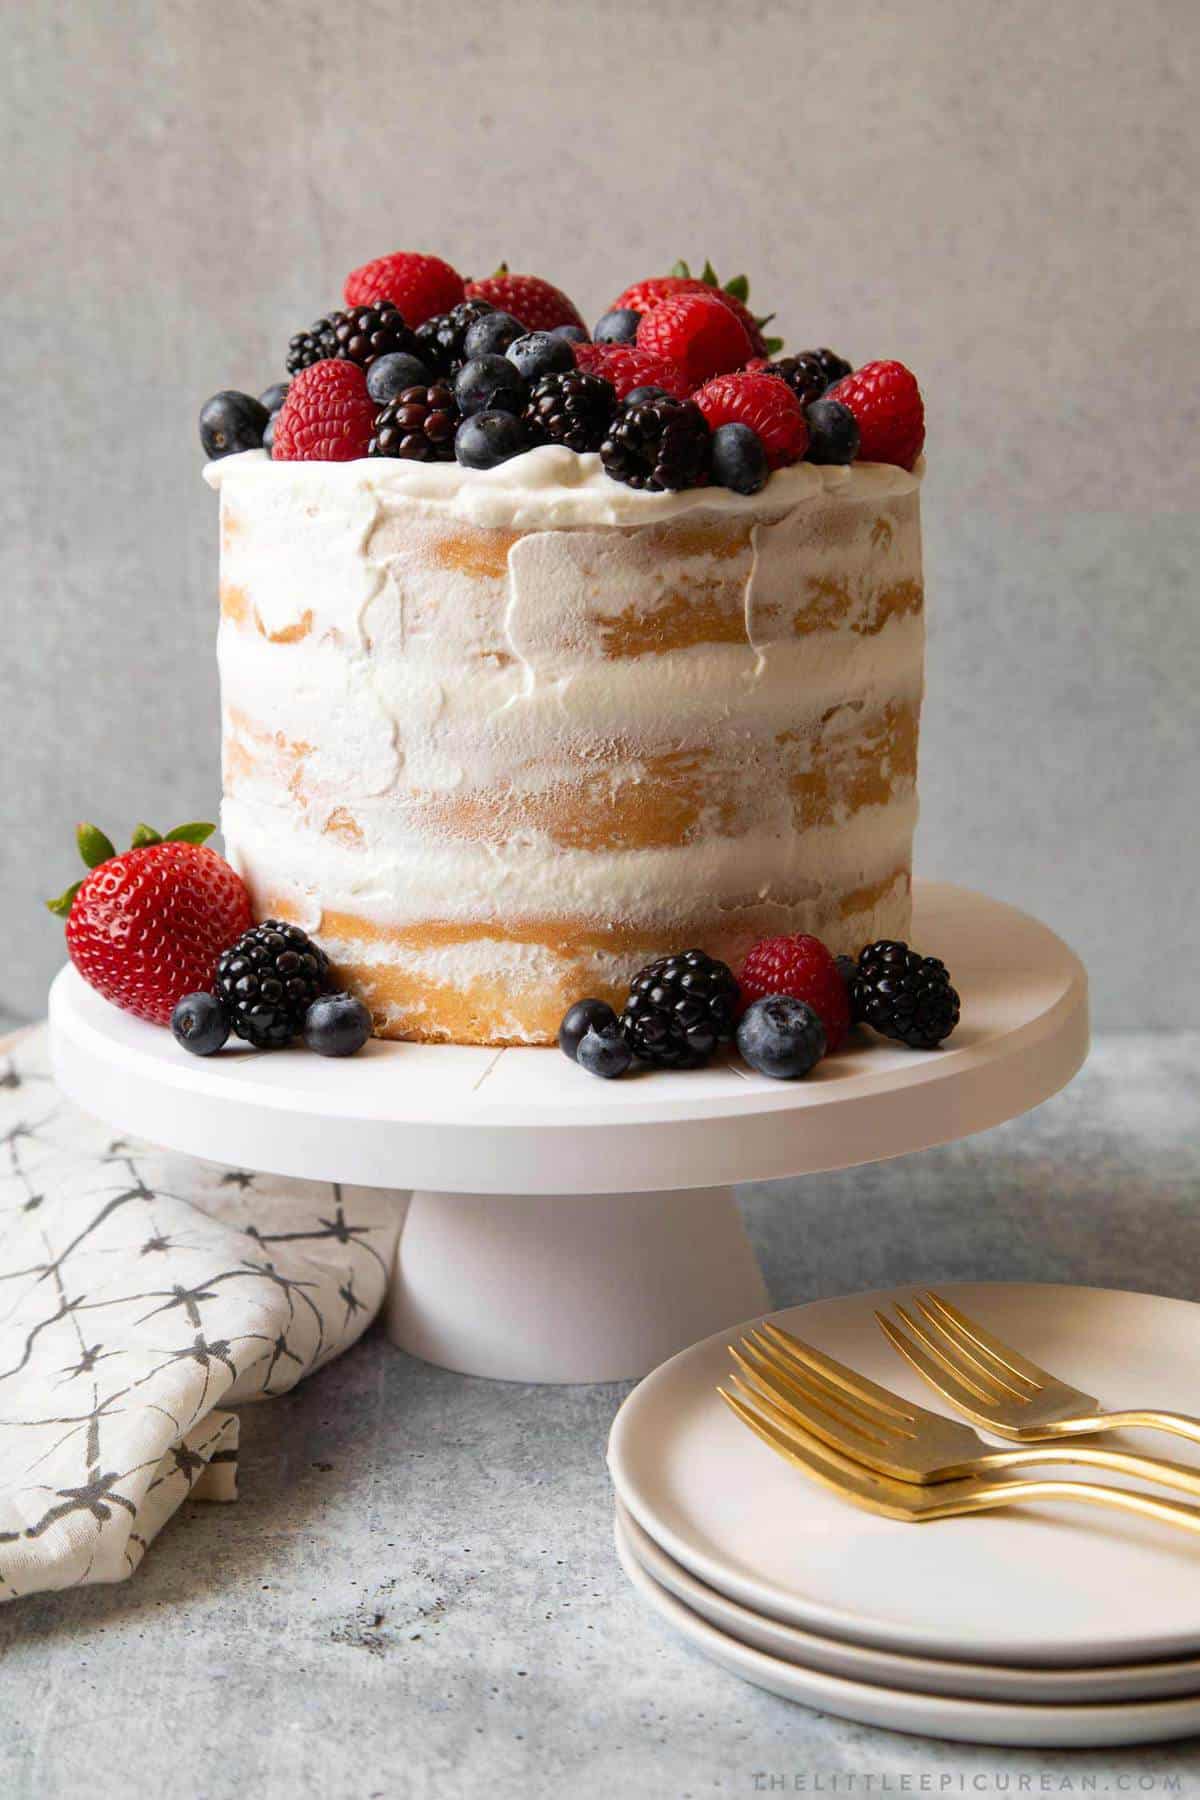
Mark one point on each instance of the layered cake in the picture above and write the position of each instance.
(519, 693)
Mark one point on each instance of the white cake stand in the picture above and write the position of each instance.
(567, 1229)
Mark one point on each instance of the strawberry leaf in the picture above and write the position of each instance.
(709, 275)
(738, 288)
(62, 906)
(143, 835)
(94, 847)
(196, 833)
(773, 344)
(681, 270)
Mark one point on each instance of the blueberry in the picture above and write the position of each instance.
(832, 432)
(604, 1053)
(230, 422)
(389, 375)
(574, 334)
(619, 327)
(578, 1018)
(490, 384)
(738, 459)
(487, 439)
(268, 442)
(540, 353)
(273, 397)
(491, 335)
(781, 1037)
(200, 1023)
(635, 396)
(336, 1025)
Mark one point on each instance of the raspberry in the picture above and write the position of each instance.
(628, 368)
(419, 286)
(538, 305)
(763, 402)
(802, 967)
(886, 402)
(696, 332)
(328, 415)
(148, 927)
(643, 296)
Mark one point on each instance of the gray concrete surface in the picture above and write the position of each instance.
(417, 1597)
(1000, 195)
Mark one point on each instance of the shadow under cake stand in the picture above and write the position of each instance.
(562, 1228)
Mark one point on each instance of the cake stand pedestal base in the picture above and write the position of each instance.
(569, 1287)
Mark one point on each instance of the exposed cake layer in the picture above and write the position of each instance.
(498, 738)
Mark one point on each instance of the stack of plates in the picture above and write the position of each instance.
(1040, 1625)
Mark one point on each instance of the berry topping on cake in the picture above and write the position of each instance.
(887, 406)
(419, 425)
(627, 368)
(802, 967)
(574, 334)
(272, 398)
(388, 376)
(490, 384)
(643, 296)
(539, 305)
(337, 1025)
(440, 340)
(328, 415)
(658, 444)
(146, 927)
(766, 405)
(832, 432)
(230, 422)
(904, 996)
(578, 1018)
(574, 409)
(369, 332)
(541, 353)
(781, 1037)
(268, 980)
(419, 286)
(739, 459)
(492, 335)
(201, 1024)
(808, 374)
(617, 327)
(487, 439)
(697, 333)
(679, 1009)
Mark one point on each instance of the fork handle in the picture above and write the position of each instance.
(1178, 1424)
(995, 1494)
(1183, 1476)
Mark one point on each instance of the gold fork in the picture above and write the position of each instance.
(1003, 1391)
(871, 1425)
(914, 1504)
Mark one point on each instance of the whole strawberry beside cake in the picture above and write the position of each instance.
(544, 654)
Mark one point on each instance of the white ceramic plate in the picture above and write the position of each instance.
(1051, 1585)
(930, 1715)
(887, 1668)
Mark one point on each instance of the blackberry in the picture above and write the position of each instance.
(440, 339)
(904, 996)
(268, 980)
(658, 444)
(835, 366)
(418, 425)
(679, 1009)
(809, 373)
(572, 408)
(358, 336)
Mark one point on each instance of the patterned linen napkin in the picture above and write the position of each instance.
(142, 1293)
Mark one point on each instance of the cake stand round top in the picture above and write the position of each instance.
(457, 1118)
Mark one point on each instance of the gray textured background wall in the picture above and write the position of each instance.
(1000, 195)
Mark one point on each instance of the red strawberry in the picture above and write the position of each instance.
(696, 332)
(643, 296)
(539, 306)
(628, 368)
(802, 967)
(888, 409)
(328, 415)
(419, 286)
(763, 402)
(145, 928)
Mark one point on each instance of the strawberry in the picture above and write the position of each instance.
(763, 402)
(628, 368)
(802, 967)
(538, 305)
(696, 332)
(888, 410)
(643, 296)
(419, 286)
(146, 927)
(328, 415)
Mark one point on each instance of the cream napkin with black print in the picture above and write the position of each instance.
(141, 1295)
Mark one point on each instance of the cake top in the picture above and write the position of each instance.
(675, 389)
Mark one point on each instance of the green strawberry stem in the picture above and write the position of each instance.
(96, 847)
